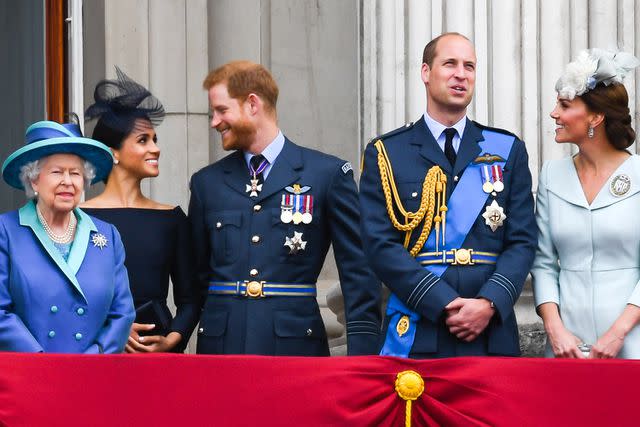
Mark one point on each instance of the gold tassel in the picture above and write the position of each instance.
(443, 209)
(429, 209)
(409, 386)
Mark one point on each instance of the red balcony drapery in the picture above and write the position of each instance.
(167, 390)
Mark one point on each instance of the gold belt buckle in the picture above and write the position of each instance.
(254, 288)
(462, 257)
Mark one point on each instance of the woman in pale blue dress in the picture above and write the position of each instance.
(587, 269)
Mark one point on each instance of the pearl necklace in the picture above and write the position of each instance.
(67, 236)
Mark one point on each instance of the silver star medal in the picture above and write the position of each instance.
(254, 188)
(99, 240)
(295, 243)
(494, 216)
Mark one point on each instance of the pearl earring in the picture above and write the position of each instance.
(590, 132)
(35, 193)
(116, 161)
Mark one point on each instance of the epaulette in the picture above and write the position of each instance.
(499, 130)
(394, 132)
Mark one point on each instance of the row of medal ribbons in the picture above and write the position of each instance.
(492, 178)
(296, 208)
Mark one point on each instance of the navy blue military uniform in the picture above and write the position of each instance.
(241, 239)
(412, 151)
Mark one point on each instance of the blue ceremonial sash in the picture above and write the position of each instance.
(465, 204)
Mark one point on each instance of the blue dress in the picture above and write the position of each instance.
(47, 304)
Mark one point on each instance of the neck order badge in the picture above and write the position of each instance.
(257, 165)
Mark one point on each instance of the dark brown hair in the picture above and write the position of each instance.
(613, 102)
(430, 50)
(244, 78)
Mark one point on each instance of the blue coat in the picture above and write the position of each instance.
(413, 151)
(234, 234)
(51, 305)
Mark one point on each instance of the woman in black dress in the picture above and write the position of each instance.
(155, 236)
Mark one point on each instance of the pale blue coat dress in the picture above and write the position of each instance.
(588, 257)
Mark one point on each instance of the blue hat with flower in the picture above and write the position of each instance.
(46, 138)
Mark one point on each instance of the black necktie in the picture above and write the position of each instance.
(257, 167)
(448, 146)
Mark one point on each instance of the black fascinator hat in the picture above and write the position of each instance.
(118, 104)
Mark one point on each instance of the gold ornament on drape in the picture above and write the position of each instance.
(409, 386)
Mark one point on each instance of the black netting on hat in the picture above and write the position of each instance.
(119, 102)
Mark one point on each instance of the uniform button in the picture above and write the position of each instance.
(52, 334)
(309, 332)
(78, 336)
(218, 224)
(54, 308)
(80, 311)
(414, 194)
(456, 179)
(255, 239)
(256, 208)
(253, 272)
(200, 330)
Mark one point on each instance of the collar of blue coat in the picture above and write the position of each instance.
(562, 180)
(29, 218)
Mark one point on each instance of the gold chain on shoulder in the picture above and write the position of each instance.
(434, 190)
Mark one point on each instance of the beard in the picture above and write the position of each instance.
(239, 136)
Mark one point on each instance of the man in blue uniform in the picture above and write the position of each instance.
(447, 220)
(262, 220)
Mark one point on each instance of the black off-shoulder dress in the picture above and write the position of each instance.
(158, 247)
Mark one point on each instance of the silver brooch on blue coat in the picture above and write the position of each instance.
(620, 185)
(99, 240)
(295, 243)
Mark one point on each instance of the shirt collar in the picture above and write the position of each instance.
(271, 151)
(437, 128)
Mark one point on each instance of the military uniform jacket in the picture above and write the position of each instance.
(238, 237)
(412, 152)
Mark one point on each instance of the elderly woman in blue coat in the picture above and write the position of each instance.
(63, 284)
